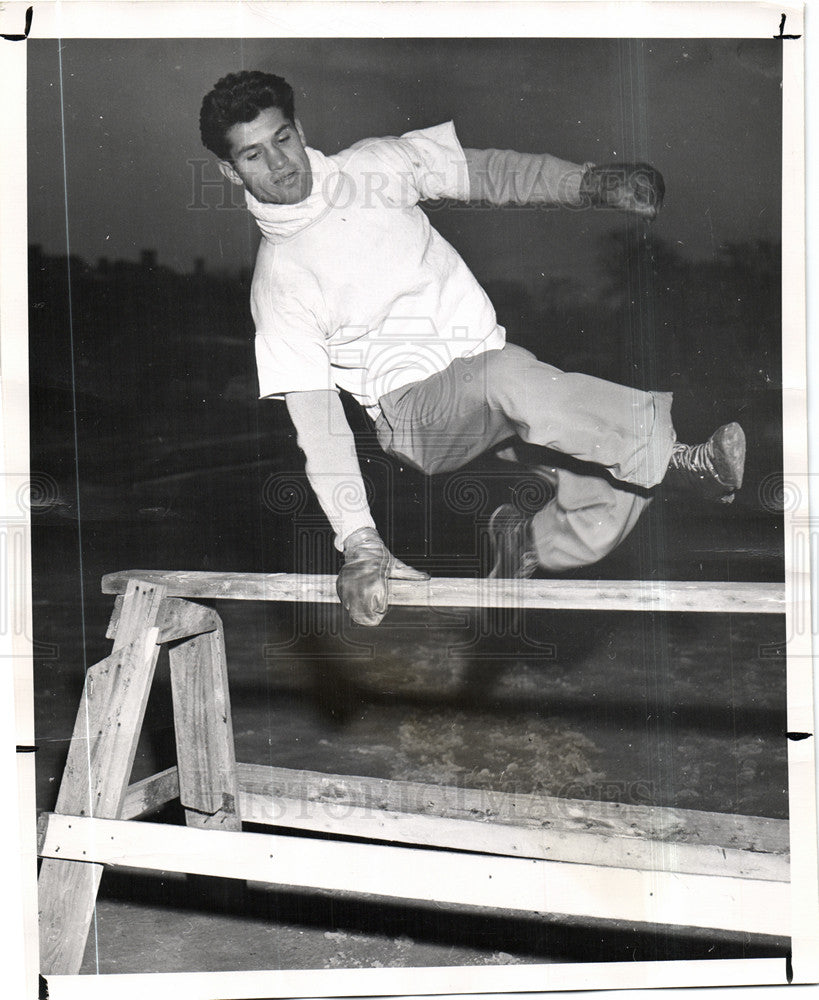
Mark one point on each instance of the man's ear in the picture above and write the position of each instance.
(228, 171)
(300, 131)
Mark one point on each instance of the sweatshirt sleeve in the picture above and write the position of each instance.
(437, 162)
(331, 462)
(505, 177)
(423, 165)
(291, 350)
(291, 358)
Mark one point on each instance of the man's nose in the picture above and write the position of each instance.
(275, 158)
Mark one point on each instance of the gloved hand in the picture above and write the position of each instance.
(362, 582)
(631, 187)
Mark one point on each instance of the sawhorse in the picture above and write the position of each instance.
(608, 861)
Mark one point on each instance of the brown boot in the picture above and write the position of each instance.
(714, 469)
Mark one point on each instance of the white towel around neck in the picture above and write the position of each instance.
(281, 222)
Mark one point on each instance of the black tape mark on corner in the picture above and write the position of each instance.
(799, 736)
(781, 36)
(43, 995)
(789, 967)
(26, 749)
(27, 29)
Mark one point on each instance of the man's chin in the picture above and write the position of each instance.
(277, 199)
(282, 197)
(291, 194)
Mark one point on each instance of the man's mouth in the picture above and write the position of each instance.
(287, 179)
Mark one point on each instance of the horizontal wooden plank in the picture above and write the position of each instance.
(530, 885)
(579, 847)
(598, 595)
(491, 822)
(486, 821)
(151, 793)
(338, 792)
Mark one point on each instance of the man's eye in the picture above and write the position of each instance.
(285, 137)
(252, 156)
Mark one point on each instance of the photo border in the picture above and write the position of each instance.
(369, 18)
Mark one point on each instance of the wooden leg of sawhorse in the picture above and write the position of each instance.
(205, 754)
(97, 772)
(206, 758)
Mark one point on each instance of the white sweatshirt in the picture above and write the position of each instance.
(353, 287)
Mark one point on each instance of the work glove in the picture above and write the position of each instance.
(362, 582)
(630, 187)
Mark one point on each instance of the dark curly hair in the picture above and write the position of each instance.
(239, 97)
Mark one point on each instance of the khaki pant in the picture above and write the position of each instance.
(615, 437)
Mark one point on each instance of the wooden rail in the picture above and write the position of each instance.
(487, 821)
(582, 859)
(442, 876)
(448, 592)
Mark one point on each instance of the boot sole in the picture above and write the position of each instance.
(729, 456)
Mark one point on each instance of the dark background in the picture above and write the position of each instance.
(150, 448)
(124, 115)
(142, 375)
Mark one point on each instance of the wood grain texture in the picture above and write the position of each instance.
(68, 895)
(603, 595)
(181, 619)
(527, 811)
(111, 711)
(506, 840)
(205, 753)
(604, 833)
(177, 619)
(151, 793)
(529, 885)
(113, 623)
(532, 853)
(493, 822)
(97, 770)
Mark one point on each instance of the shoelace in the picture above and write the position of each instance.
(693, 458)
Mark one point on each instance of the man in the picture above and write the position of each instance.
(354, 289)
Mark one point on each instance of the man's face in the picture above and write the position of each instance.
(268, 157)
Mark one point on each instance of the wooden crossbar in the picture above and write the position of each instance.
(448, 592)
(480, 848)
(444, 876)
(486, 821)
